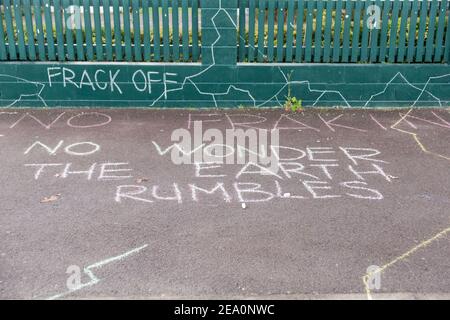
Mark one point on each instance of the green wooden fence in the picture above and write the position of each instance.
(268, 31)
(94, 30)
(334, 31)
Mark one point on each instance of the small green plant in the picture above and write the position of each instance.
(292, 103)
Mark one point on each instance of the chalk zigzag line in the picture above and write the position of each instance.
(38, 94)
(93, 279)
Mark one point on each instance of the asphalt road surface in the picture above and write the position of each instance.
(353, 204)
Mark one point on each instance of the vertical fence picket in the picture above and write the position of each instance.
(156, 31)
(19, 30)
(327, 34)
(394, 31)
(185, 29)
(346, 37)
(59, 30)
(3, 53)
(337, 31)
(261, 29)
(299, 28)
(412, 31)
(195, 28)
(98, 31)
(79, 33)
(422, 29)
(117, 31)
(280, 34)
(251, 31)
(440, 31)
(365, 34)
(88, 30)
(384, 31)
(68, 30)
(402, 34)
(166, 31)
(147, 35)
(271, 31)
(31, 41)
(309, 30)
(429, 50)
(290, 31)
(175, 31)
(40, 31)
(374, 35)
(242, 31)
(447, 43)
(135, 8)
(108, 31)
(356, 32)
(127, 30)
(10, 30)
(318, 32)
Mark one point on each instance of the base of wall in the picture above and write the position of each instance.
(34, 84)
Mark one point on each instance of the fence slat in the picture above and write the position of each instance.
(412, 31)
(422, 28)
(318, 32)
(402, 35)
(10, 31)
(327, 35)
(108, 32)
(88, 30)
(261, 29)
(31, 41)
(166, 31)
(251, 31)
(195, 46)
(280, 35)
(117, 31)
(242, 31)
(156, 31)
(374, 35)
(59, 30)
(68, 30)
(19, 30)
(135, 7)
(127, 30)
(337, 31)
(394, 35)
(290, 31)
(431, 30)
(309, 30)
(185, 23)
(98, 31)
(365, 35)
(447, 43)
(384, 31)
(440, 31)
(79, 33)
(299, 28)
(271, 31)
(175, 31)
(3, 54)
(346, 37)
(40, 31)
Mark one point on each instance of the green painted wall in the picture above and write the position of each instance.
(219, 81)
